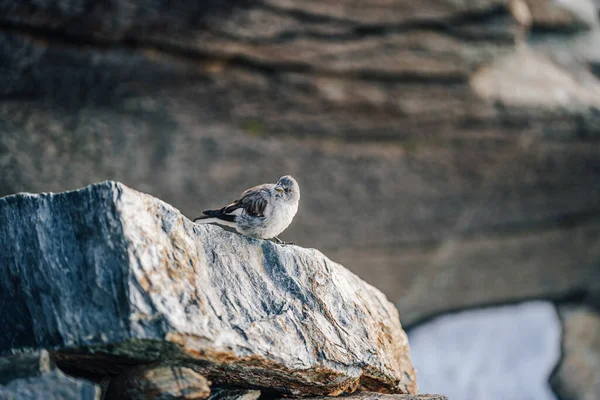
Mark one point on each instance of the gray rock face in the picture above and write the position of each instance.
(26, 365)
(51, 386)
(31, 376)
(107, 276)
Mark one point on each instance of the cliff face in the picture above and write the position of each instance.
(447, 150)
(107, 277)
(457, 153)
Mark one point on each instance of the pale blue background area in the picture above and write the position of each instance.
(502, 353)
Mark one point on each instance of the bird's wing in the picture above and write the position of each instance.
(253, 202)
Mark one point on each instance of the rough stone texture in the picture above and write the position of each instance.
(108, 276)
(457, 192)
(502, 82)
(24, 365)
(558, 15)
(234, 394)
(379, 396)
(158, 383)
(31, 376)
(51, 386)
(578, 375)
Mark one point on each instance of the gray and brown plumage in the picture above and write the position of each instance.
(262, 212)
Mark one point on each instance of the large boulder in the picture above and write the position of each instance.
(107, 277)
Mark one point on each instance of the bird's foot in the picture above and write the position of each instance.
(279, 241)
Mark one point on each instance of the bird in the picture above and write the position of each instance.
(261, 212)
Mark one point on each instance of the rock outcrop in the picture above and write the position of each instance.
(107, 277)
(578, 375)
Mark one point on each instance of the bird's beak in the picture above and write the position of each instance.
(279, 189)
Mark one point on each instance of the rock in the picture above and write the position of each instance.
(538, 82)
(24, 365)
(234, 394)
(577, 376)
(51, 386)
(355, 396)
(193, 102)
(31, 376)
(379, 396)
(558, 15)
(109, 277)
(159, 383)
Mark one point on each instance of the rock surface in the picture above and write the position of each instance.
(578, 375)
(234, 394)
(31, 376)
(108, 276)
(25, 365)
(158, 383)
(398, 104)
(379, 396)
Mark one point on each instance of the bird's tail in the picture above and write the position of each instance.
(215, 216)
(208, 215)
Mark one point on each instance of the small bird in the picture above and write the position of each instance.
(262, 212)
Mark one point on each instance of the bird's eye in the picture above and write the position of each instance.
(286, 190)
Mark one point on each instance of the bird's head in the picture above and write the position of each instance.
(287, 188)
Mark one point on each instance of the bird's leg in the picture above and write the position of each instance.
(279, 241)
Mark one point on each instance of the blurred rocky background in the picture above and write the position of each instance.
(448, 151)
